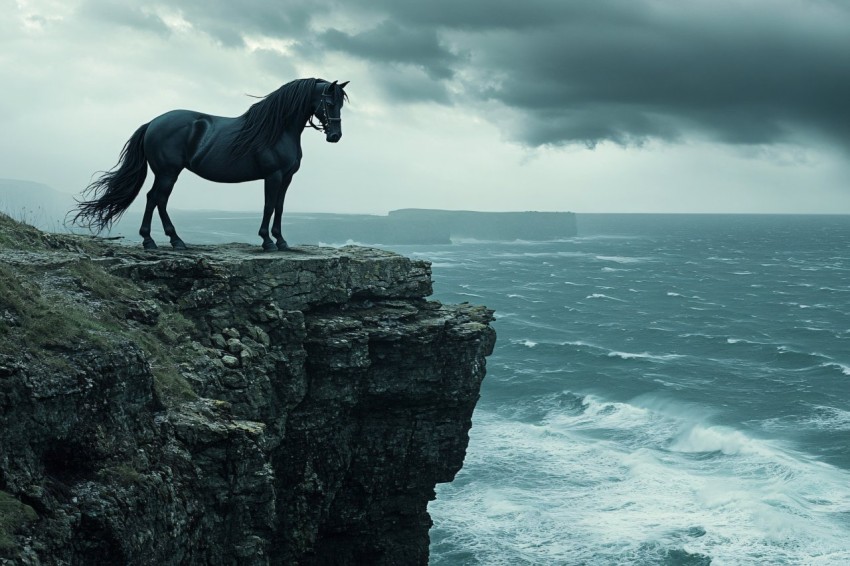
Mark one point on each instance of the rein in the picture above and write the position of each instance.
(324, 118)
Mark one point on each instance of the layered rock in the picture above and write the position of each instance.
(224, 406)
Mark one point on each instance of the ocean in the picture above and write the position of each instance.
(665, 389)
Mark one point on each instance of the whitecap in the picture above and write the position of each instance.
(700, 438)
(603, 485)
(644, 356)
(621, 259)
(830, 418)
(602, 296)
(845, 369)
(501, 314)
(745, 341)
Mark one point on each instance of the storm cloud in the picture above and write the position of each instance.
(575, 72)
(555, 72)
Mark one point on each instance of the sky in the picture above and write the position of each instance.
(605, 106)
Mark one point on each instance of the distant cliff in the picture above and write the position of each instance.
(489, 225)
(408, 226)
(225, 406)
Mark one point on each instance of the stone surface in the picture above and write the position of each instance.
(225, 406)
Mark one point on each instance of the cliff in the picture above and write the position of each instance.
(224, 406)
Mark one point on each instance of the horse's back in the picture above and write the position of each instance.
(179, 138)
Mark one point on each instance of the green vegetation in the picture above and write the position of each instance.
(38, 323)
(16, 235)
(13, 515)
(100, 284)
(165, 360)
(124, 474)
(55, 310)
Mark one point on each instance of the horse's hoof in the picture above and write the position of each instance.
(269, 247)
(282, 247)
(178, 245)
(149, 245)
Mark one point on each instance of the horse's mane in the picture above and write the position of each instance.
(264, 121)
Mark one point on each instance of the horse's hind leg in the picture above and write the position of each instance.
(162, 205)
(158, 198)
(145, 229)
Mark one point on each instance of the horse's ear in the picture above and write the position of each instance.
(333, 83)
(343, 84)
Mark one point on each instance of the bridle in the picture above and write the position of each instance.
(324, 117)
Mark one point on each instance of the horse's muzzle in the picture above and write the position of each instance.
(333, 137)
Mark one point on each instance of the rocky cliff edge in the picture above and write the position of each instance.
(225, 406)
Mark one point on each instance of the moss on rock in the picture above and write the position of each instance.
(13, 515)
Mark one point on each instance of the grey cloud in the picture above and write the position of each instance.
(758, 72)
(410, 85)
(275, 64)
(503, 14)
(390, 42)
(737, 85)
(587, 72)
(225, 21)
(228, 21)
(124, 15)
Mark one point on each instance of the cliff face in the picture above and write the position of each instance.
(224, 406)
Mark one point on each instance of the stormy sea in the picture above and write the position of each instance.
(665, 389)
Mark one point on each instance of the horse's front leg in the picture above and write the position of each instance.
(277, 232)
(272, 187)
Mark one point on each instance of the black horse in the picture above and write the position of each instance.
(263, 143)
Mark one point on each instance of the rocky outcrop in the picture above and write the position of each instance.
(224, 406)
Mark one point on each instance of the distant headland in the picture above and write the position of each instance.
(45, 208)
(399, 227)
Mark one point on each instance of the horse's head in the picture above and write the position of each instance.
(327, 107)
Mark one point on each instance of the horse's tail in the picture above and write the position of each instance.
(113, 192)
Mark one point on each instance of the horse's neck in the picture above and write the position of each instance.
(295, 128)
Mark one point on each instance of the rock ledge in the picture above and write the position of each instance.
(224, 406)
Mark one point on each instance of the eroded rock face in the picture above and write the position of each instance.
(326, 397)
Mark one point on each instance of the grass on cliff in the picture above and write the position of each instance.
(54, 310)
(13, 515)
(16, 235)
(34, 322)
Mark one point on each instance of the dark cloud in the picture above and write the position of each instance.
(229, 21)
(586, 72)
(761, 83)
(389, 42)
(757, 72)
(410, 84)
(502, 14)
